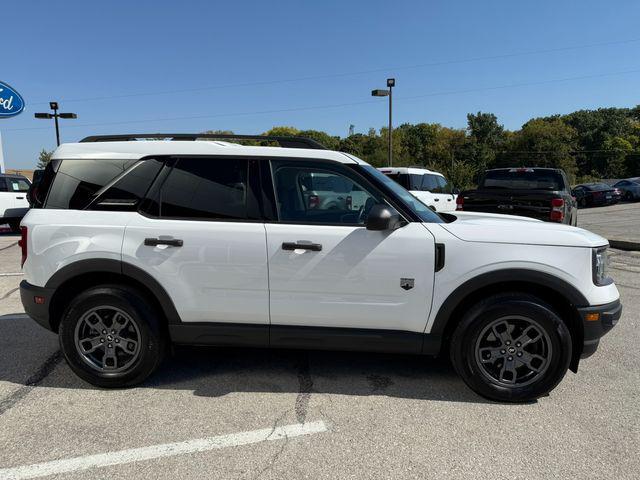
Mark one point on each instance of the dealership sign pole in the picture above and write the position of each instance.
(11, 104)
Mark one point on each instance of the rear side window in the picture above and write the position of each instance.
(78, 181)
(409, 181)
(3, 185)
(207, 189)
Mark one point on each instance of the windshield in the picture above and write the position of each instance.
(522, 179)
(419, 208)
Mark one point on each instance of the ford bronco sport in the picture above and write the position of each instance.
(135, 244)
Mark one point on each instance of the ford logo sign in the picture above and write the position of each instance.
(11, 103)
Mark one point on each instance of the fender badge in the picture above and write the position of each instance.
(406, 283)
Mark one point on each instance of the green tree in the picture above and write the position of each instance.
(487, 137)
(616, 166)
(545, 143)
(44, 157)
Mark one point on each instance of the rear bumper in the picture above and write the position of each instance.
(37, 311)
(594, 329)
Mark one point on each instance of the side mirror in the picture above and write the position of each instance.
(382, 217)
(455, 191)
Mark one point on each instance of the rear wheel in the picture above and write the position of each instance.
(111, 337)
(628, 197)
(511, 348)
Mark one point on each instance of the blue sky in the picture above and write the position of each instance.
(246, 66)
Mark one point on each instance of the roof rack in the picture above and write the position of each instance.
(284, 142)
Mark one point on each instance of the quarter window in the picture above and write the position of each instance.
(206, 188)
(78, 181)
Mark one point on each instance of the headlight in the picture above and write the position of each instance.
(601, 266)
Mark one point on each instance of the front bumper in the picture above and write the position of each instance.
(597, 321)
(37, 311)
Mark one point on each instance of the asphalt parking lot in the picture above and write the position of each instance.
(220, 413)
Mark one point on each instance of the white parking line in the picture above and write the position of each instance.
(159, 451)
(12, 274)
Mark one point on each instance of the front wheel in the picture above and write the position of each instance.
(111, 336)
(511, 348)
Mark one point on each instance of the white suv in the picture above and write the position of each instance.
(136, 244)
(431, 188)
(13, 200)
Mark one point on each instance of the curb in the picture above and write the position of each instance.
(625, 245)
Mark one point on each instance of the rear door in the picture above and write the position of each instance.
(334, 283)
(201, 237)
(19, 187)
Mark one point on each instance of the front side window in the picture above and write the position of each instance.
(320, 195)
(442, 186)
(18, 184)
(430, 183)
(206, 189)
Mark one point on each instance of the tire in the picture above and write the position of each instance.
(472, 342)
(628, 197)
(137, 347)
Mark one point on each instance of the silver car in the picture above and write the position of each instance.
(630, 188)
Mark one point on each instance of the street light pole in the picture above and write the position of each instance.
(55, 115)
(54, 107)
(391, 82)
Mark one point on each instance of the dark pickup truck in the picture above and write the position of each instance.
(542, 193)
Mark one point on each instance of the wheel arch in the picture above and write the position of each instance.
(562, 296)
(83, 274)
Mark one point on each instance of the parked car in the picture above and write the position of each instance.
(630, 189)
(325, 191)
(140, 244)
(540, 193)
(431, 188)
(594, 194)
(13, 200)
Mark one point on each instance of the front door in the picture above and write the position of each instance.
(330, 278)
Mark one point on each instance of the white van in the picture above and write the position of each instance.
(13, 200)
(431, 188)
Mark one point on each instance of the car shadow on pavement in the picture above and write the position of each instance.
(216, 372)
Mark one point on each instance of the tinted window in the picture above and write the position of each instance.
(430, 183)
(410, 181)
(206, 188)
(599, 187)
(3, 185)
(523, 179)
(340, 200)
(129, 189)
(18, 184)
(77, 181)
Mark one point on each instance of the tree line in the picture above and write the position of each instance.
(587, 144)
